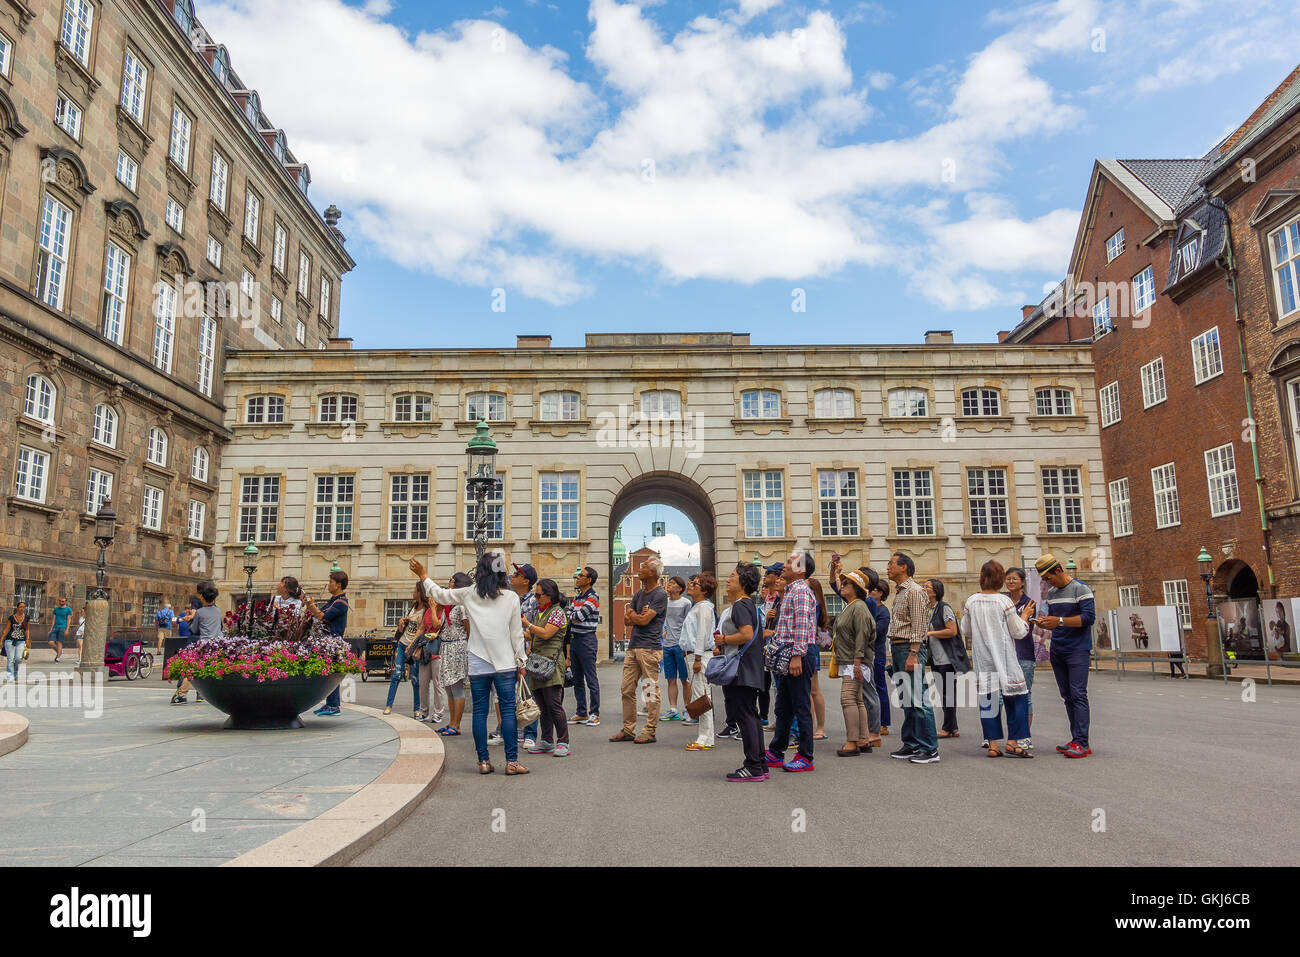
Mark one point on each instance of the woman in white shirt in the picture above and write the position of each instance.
(496, 649)
(994, 626)
(288, 598)
(696, 641)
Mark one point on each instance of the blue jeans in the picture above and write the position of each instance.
(399, 659)
(1071, 669)
(582, 652)
(794, 701)
(14, 656)
(882, 684)
(1028, 668)
(918, 730)
(480, 687)
(1017, 709)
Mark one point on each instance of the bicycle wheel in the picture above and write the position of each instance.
(132, 666)
(146, 665)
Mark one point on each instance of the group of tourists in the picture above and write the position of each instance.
(17, 635)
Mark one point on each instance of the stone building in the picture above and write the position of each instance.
(151, 216)
(952, 453)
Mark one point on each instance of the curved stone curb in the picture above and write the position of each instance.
(343, 832)
(13, 731)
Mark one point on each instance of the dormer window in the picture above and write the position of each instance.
(760, 404)
(183, 14)
(253, 109)
(338, 408)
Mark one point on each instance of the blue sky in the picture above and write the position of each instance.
(689, 165)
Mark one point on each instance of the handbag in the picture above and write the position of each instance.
(527, 710)
(427, 647)
(539, 667)
(776, 658)
(834, 670)
(724, 670)
(700, 705)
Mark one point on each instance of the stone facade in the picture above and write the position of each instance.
(82, 253)
(279, 481)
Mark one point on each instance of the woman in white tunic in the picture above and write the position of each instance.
(994, 626)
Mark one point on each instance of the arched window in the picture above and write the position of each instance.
(1053, 402)
(981, 402)
(338, 408)
(760, 404)
(832, 404)
(183, 13)
(413, 407)
(157, 450)
(905, 403)
(199, 464)
(559, 406)
(104, 428)
(264, 409)
(485, 407)
(41, 396)
(221, 64)
(253, 109)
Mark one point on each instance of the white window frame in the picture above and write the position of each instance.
(557, 505)
(1115, 245)
(1062, 488)
(988, 501)
(178, 146)
(304, 274)
(1164, 492)
(68, 115)
(1154, 389)
(323, 308)
(559, 405)
(259, 409)
(338, 408)
(31, 474)
(760, 404)
(1130, 596)
(1284, 255)
(301, 333)
(1187, 255)
(103, 426)
(127, 171)
(408, 506)
(259, 508)
(833, 404)
(838, 512)
(40, 399)
(494, 402)
(215, 251)
(200, 463)
(196, 519)
(413, 407)
(1144, 290)
(6, 54)
(1059, 401)
(252, 216)
(1221, 475)
(99, 487)
(77, 32)
(1207, 356)
(1108, 400)
(151, 508)
(164, 333)
(175, 215)
(1121, 508)
(207, 358)
(53, 259)
(914, 507)
(277, 309)
(1101, 318)
(135, 85)
(333, 514)
(219, 188)
(279, 247)
(495, 504)
(982, 402)
(1177, 594)
(908, 403)
(117, 285)
(660, 405)
(763, 492)
(156, 447)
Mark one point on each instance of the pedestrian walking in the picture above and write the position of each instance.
(1069, 611)
(1026, 608)
(421, 618)
(59, 627)
(646, 614)
(739, 636)
(947, 654)
(675, 670)
(547, 633)
(697, 644)
(17, 630)
(204, 622)
(163, 623)
(908, 625)
(81, 632)
(334, 614)
(453, 662)
(584, 616)
(993, 625)
(788, 656)
(496, 649)
(854, 651)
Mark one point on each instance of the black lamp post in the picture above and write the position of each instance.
(481, 475)
(1213, 650)
(250, 566)
(105, 531)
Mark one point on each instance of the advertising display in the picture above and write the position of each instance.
(1280, 617)
(1240, 630)
(1147, 629)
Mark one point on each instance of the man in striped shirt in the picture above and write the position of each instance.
(1070, 611)
(908, 624)
(795, 634)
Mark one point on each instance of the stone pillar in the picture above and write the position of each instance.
(96, 637)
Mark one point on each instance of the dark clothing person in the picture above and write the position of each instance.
(584, 616)
(649, 636)
(335, 615)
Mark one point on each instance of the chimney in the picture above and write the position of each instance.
(1027, 311)
(532, 342)
(1003, 334)
(339, 342)
(938, 337)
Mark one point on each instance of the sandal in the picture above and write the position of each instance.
(644, 739)
(950, 734)
(623, 736)
(449, 731)
(994, 752)
(1016, 751)
(514, 767)
(485, 767)
(874, 742)
(388, 710)
(848, 752)
(819, 736)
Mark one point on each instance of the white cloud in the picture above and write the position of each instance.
(674, 551)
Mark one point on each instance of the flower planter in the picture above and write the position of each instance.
(266, 705)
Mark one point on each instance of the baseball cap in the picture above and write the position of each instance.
(528, 571)
(776, 568)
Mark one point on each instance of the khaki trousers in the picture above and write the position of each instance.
(641, 669)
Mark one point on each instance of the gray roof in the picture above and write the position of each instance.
(1287, 99)
(1170, 179)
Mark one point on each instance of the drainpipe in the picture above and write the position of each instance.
(1230, 267)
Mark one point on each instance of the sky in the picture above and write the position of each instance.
(848, 171)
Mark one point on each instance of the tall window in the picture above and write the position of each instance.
(1121, 509)
(252, 216)
(986, 493)
(1207, 358)
(760, 404)
(558, 501)
(833, 404)
(199, 464)
(908, 402)
(1063, 500)
(135, 79)
(52, 261)
(1109, 401)
(6, 54)
(1221, 471)
(39, 401)
(1114, 245)
(1164, 486)
(179, 145)
(408, 508)
(32, 594)
(215, 251)
(259, 508)
(1153, 383)
(338, 408)
(981, 402)
(485, 407)
(1187, 255)
(913, 502)
(1101, 320)
(1144, 291)
(1176, 595)
(661, 404)
(300, 332)
(117, 278)
(496, 503)
(279, 248)
(323, 309)
(416, 407)
(304, 274)
(207, 353)
(559, 406)
(164, 332)
(103, 428)
(1054, 402)
(1284, 245)
(128, 171)
(151, 508)
(268, 409)
(333, 521)
(29, 476)
(67, 115)
(837, 500)
(197, 518)
(395, 610)
(175, 215)
(220, 181)
(78, 16)
(764, 493)
(1129, 596)
(156, 452)
(277, 309)
(99, 488)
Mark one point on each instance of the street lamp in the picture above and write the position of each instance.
(105, 530)
(758, 562)
(481, 476)
(1213, 652)
(250, 566)
(1070, 566)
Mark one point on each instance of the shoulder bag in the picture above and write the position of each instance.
(724, 670)
(527, 709)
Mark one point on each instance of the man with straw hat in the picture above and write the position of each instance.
(1069, 612)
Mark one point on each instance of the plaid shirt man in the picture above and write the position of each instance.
(910, 620)
(797, 622)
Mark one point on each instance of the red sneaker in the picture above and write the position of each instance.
(1065, 748)
(1076, 750)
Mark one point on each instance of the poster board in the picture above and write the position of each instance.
(1147, 629)
(1240, 629)
(1281, 617)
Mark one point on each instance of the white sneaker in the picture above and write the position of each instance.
(529, 744)
(495, 738)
